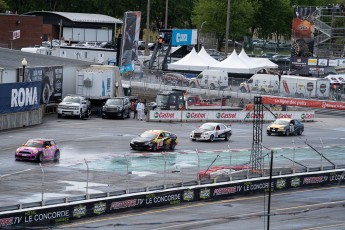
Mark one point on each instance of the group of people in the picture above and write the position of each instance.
(138, 108)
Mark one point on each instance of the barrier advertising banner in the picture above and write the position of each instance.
(65, 213)
(304, 103)
(226, 116)
(19, 97)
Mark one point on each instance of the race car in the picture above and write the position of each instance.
(154, 140)
(285, 127)
(211, 131)
(38, 149)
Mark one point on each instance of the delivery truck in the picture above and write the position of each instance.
(263, 83)
(98, 83)
(304, 87)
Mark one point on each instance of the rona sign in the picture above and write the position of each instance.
(19, 97)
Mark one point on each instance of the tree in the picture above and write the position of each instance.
(3, 6)
(212, 11)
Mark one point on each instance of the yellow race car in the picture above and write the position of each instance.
(154, 140)
(285, 127)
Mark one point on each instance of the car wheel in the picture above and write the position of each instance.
(287, 132)
(123, 115)
(104, 117)
(193, 139)
(212, 138)
(299, 133)
(154, 147)
(212, 87)
(269, 134)
(172, 146)
(59, 115)
(227, 137)
(88, 113)
(57, 156)
(39, 158)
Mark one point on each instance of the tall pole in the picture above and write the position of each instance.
(166, 14)
(227, 28)
(269, 192)
(198, 40)
(147, 52)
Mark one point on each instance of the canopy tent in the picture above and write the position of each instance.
(191, 62)
(246, 59)
(206, 57)
(265, 63)
(233, 64)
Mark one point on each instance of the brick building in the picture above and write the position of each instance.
(29, 27)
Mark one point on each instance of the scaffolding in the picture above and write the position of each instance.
(329, 40)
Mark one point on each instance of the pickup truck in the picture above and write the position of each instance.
(74, 105)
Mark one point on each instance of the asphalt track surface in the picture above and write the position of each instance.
(81, 140)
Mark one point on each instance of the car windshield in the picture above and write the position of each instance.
(149, 135)
(36, 144)
(162, 99)
(115, 101)
(207, 127)
(281, 122)
(72, 99)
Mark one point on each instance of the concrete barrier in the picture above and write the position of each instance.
(20, 119)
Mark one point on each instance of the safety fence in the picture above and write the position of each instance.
(56, 183)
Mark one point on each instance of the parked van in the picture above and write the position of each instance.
(263, 83)
(210, 79)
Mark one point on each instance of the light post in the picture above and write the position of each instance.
(147, 52)
(227, 29)
(166, 14)
(202, 24)
(24, 64)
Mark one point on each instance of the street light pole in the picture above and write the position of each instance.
(147, 52)
(24, 64)
(202, 24)
(227, 29)
(166, 14)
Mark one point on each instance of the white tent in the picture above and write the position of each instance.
(246, 59)
(265, 63)
(206, 57)
(191, 62)
(233, 64)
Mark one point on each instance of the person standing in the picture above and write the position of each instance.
(141, 110)
(135, 110)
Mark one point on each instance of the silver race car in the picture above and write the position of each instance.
(211, 131)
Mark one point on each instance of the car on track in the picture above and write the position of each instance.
(154, 140)
(211, 131)
(175, 79)
(38, 149)
(284, 126)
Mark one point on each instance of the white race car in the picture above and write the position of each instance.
(211, 131)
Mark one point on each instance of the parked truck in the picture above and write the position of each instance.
(304, 87)
(264, 83)
(98, 83)
(177, 99)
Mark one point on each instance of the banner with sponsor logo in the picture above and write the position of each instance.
(19, 97)
(65, 212)
(304, 103)
(223, 115)
(184, 37)
(51, 78)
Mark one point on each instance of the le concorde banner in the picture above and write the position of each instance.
(63, 214)
(303, 103)
(19, 97)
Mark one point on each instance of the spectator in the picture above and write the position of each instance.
(135, 116)
(241, 104)
(141, 110)
(160, 42)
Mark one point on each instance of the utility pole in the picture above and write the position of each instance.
(147, 52)
(227, 29)
(166, 14)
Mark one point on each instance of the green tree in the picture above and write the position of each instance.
(3, 6)
(212, 11)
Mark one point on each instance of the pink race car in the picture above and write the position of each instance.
(38, 149)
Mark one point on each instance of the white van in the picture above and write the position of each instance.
(211, 79)
(263, 83)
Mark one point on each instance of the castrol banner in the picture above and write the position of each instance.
(165, 115)
(320, 104)
(223, 116)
